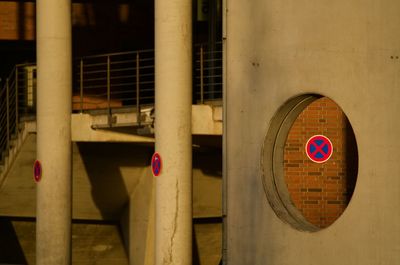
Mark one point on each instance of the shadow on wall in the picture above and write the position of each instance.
(111, 188)
(195, 252)
(351, 160)
(209, 162)
(207, 155)
(10, 249)
(103, 163)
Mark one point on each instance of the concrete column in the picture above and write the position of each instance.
(53, 227)
(173, 70)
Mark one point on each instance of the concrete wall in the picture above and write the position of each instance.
(348, 51)
(105, 175)
(109, 181)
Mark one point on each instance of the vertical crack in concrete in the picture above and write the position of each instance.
(175, 225)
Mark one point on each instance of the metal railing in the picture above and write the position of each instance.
(107, 82)
(17, 98)
(114, 80)
(126, 79)
(207, 74)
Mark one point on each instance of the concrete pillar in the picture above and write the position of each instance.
(173, 70)
(53, 227)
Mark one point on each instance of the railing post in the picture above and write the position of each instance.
(201, 75)
(81, 84)
(8, 112)
(109, 91)
(16, 101)
(138, 119)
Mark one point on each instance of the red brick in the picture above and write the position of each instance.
(317, 189)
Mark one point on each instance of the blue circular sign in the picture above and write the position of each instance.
(37, 171)
(156, 164)
(319, 148)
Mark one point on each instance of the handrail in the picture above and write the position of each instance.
(107, 81)
(115, 54)
(13, 103)
(127, 78)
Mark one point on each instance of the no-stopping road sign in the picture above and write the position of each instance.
(37, 171)
(319, 148)
(156, 164)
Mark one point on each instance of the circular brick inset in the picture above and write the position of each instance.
(308, 195)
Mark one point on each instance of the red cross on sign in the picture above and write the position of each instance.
(156, 164)
(319, 148)
(37, 171)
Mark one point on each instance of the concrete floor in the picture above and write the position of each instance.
(98, 243)
(91, 243)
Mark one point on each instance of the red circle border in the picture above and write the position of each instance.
(330, 148)
(155, 156)
(36, 165)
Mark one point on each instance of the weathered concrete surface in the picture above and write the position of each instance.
(53, 115)
(108, 179)
(82, 131)
(137, 222)
(104, 176)
(18, 190)
(208, 243)
(206, 120)
(98, 244)
(348, 51)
